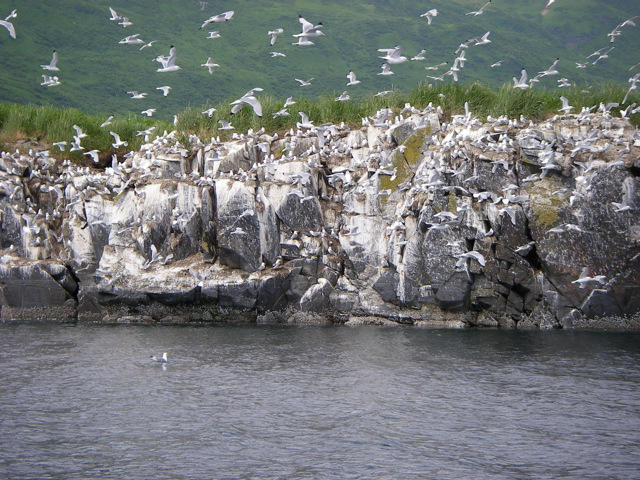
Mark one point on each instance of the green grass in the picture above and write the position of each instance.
(50, 124)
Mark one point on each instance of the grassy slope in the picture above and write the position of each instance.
(97, 72)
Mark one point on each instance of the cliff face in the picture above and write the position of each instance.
(405, 220)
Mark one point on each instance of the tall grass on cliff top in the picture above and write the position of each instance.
(48, 124)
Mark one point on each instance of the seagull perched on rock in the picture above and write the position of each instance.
(223, 17)
(169, 63)
(52, 66)
(429, 15)
(584, 278)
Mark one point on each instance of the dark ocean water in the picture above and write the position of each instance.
(254, 402)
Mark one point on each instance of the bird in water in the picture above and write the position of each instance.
(162, 359)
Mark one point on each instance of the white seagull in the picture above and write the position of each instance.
(131, 40)
(551, 70)
(52, 66)
(165, 90)
(343, 98)
(214, 34)
(566, 108)
(386, 70)
(309, 29)
(483, 40)
(135, 94)
(162, 359)
(478, 12)
(303, 42)
(107, 121)
(429, 15)
(114, 15)
(419, 57)
(274, 34)
(393, 55)
(225, 125)
(248, 99)
(304, 83)
(210, 65)
(223, 17)
(522, 83)
(169, 65)
(584, 278)
(118, 143)
(352, 79)
(9, 26)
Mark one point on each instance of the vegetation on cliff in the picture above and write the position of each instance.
(49, 124)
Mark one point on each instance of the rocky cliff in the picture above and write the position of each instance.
(407, 220)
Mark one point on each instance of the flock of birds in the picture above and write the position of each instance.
(433, 174)
(310, 31)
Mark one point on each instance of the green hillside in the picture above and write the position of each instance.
(96, 71)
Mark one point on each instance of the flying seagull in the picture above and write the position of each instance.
(393, 55)
(309, 29)
(352, 79)
(274, 34)
(52, 66)
(210, 65)
(429, 15)
(248, 99)
(9, 26)
(169, 64)
(223, 17)
(478, 12)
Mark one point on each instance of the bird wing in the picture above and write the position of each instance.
(306, 26)
(9, 26)
(173, 55)
(255, 104)
(54, 60)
